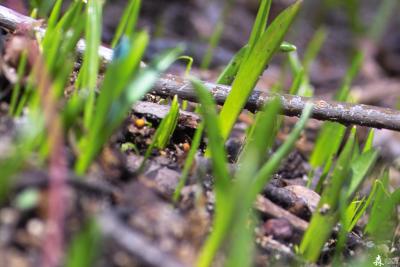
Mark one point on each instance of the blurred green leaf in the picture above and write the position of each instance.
(84, 246)
(126, 26)
(113, 108)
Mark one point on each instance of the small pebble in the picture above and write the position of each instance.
(35, 227)
(186, 147)
(279, 229)
(140, 123)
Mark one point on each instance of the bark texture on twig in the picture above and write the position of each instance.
(170, 85)
(344, 113)
(272, 210)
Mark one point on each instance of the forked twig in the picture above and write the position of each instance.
(169, 85)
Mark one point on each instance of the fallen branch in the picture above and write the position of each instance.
(345, 113)
(169, 85)
(135, 243)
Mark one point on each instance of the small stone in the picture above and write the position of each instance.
(140, 123)
(35, 227)
(186, 147)
(8, 216)
(279, 229)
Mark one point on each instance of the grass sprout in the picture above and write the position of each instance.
(234, 199)
(253, 66)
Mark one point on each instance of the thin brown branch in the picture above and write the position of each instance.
(345, 113)
(169, 85)
(135, 243)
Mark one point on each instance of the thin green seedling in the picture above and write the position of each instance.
(84, 246)
(262, 133)
(228, 75)
(17, 87)
(326, 216)
(370, 141)
(124, 67)
(189, 161)
(260, 24)
(113, 108)
(383, 216)
(254, 65)
(168, 125)
(26, 141)
(356, 63)
(216, 35)
(188, 65)
(127, 25)
(360, 166)
(222, 178)
(301, 83)
(42, 7)
(230, 196)
(258, 142)
(164, 131)
(266, 171)
(331, 134)
(358, 207)
(344, 224)
(381, 19)
(54, 15)
(314, 47)
(91, 59)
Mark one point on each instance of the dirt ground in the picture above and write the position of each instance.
(135, 212)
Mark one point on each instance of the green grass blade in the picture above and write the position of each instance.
(326, 215)
(258, 143)
(314, 47)
(216, 35)
(164, 131)
(224, 202)
(351, 74)
(189, 161)
(168, 128)
(91, 61)
(228, 75)
(370, 141)
(216, 144)
(260, 24)
(264, 175)
(356, 215)
(115, 111)
(327, 144)
(84, 246)
(382, 218)
(261, 136)
(360, 167)
(253, 67)
(54, 15)
(17, 88)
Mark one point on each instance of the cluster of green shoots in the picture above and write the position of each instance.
(95, 111)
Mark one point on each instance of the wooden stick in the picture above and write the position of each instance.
(345, 113)
(170, 85)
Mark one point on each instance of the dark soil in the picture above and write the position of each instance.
(140, 224)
